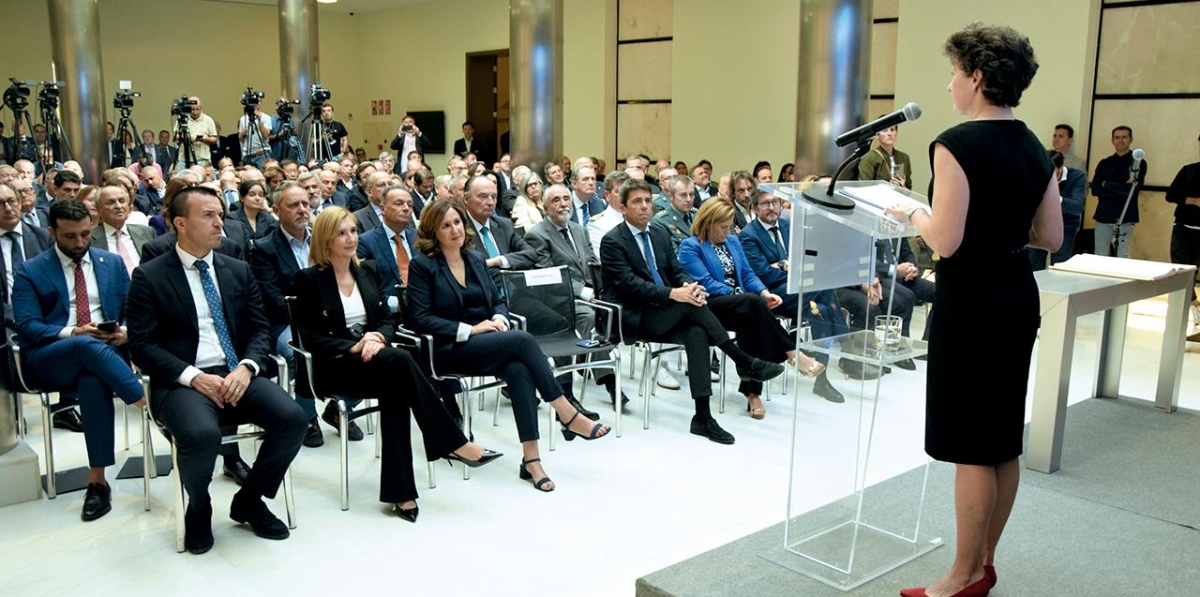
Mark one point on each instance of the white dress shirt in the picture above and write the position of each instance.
(208, 350)
(126, 241)
(93, 288)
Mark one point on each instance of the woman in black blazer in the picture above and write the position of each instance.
(452, 296)
(344, 321)
(254, 209)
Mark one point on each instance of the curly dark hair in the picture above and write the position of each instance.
(1002, 55)
(431, 220)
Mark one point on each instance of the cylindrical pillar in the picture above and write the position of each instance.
(535, 85)
(299, 55)
(75, 47)
(835, 69)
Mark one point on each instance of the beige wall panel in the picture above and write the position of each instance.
(589, 78)
(1166, 129)
(881, 106)
(640, 19)
(886, 9)
(644, 71)
(883, 58)
(1146, 49)
(1059, 31)
(643, 128)
(734, 124)
(1152, 236)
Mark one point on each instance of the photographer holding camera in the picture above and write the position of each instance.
(284, 142)
(408, 139)
(201, 131)
(255, 148)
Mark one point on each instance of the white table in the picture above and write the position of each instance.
(1065, 296)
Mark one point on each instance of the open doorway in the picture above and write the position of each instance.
(487, 102)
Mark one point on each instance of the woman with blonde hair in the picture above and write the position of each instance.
(714, 257)
(527, 210)
(343, 319)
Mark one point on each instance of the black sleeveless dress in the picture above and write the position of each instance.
(981, 341)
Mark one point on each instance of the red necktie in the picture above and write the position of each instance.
(83, 310)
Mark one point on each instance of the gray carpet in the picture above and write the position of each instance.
(1118, 520)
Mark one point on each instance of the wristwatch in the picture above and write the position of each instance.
(908, 213)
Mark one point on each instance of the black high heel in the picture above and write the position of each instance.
(569, 435)
(485, 458)
(526, 476)
(409, 514)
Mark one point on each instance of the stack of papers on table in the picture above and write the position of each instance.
(1116, 267)
(879, 197)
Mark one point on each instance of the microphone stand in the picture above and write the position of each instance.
(1116, 239)
(827, 198)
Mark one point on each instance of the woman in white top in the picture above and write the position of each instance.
(527, 211)
(343, 319)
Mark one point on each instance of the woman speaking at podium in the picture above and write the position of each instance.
(992, 194)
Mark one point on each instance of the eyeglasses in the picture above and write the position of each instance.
(770, 203)
(9, 203)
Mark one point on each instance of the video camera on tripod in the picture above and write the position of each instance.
(182, 107)
(49, 94)
(123, 100)
(285, 109)
(16, 97)
(317, 96)
(250, 100)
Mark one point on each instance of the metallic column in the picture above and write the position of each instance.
(75, 45)
(299, 53)
(835, 69)
(536, 75)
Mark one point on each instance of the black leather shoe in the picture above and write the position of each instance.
(710, 429)
(197, 525)
(409, 514)
(97, 502)
(761, 370)
(583, 411)
(906, 364)
(313, 438)
(332, 417)
(237, 469)
(251, 510)
(68, 419)
(857, 370)
(824, 389)
(610, 383)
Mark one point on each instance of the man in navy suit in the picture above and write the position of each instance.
(330, 195)
(68, 304)
(661, 304)
(202, 335)
(370, 216)
(765, 241)
(583, 195)
(496, 239)
(393, 243)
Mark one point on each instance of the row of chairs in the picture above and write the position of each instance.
(542, 303)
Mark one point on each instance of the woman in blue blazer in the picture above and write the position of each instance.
(452, 296)
(714, 258)
(342, 318)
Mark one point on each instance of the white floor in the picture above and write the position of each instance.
(624, 507)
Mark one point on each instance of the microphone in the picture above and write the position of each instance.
(910, 111)
(1138, 156)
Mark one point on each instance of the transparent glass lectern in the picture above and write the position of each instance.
(867, 520)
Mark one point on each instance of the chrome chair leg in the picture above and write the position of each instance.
(550, 427)
(617, 406)
(721, 389)
(48, 441)
(180, 501)
(370, 419)
(343, 457)
(432, 475)
(148, 465)
(289, 499)
(125, 422)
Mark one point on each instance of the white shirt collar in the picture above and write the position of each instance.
(66, 260)
(109, 230)
(189, 260)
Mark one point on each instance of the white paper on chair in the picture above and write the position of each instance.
(543, 277)
(1116, 267)
(879, 197)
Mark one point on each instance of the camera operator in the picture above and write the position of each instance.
(335, 134)
(202, 132)
(408, 139)
(283, 139)
(255, 148)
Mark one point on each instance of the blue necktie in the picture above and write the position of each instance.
(583, 214)
(218, 314)
(779, 242)
(650, 258)
(18, 255)
(488, 243)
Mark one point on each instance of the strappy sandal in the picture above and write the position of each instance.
(538, 484)
(569, 434)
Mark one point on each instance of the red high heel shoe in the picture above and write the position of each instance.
(979, 588)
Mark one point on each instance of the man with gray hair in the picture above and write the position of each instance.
(612, 215)
(583, 183)
(372, 215)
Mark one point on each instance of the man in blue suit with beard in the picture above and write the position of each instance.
(68, 304)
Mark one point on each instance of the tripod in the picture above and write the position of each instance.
(24, 147)
(255, 145)
(290, 148)
(124, 126)
(186, 152)
(320, 146)
(56, 138)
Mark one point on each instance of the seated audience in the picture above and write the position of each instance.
(714, 259)
(115, 233)
(255, 211)
(676, 218)
(527, 210)
(343, 319)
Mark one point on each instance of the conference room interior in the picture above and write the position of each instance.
(673, 79)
